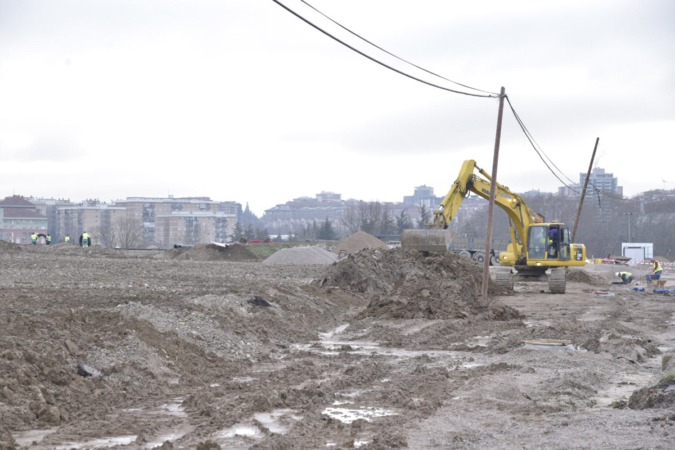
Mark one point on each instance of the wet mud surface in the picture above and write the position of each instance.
(383, 349)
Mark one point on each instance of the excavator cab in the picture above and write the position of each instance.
(548, 244)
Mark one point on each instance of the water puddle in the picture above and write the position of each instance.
(622, 390)
(26, 438)
(330, 344)
(551, 345)
(349, 415)
(98, 443)
(275, 421)
(358, 443)
(629, 382)
(171, 434)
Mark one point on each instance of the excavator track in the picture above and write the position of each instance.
(557, 281)
(504, 278)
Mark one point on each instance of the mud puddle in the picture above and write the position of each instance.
(39, 439)
(333, 344)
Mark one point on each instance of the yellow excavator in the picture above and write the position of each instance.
(536, 250)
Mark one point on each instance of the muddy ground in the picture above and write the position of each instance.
(383, 349)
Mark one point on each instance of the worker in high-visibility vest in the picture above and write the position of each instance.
(626, 277)
(657, 270)
(67, 239)
(85, 239)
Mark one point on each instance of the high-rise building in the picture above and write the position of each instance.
(599, 182)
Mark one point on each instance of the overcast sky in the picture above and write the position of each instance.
(240, 100)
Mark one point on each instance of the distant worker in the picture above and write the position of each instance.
(67, 239)
(48, 238)
(626, 277)
(85, 239)
(657, 269)
(33, 238)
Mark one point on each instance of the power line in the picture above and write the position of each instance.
(548, 162)
(307, 21)
(396, 56)
(543, 155)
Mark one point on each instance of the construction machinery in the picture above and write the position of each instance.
(537, 250)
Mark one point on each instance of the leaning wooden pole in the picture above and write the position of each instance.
(583, 191)
(491, 207)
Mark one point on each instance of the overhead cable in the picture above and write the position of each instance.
(378, 61)
(541, 155)
(532, 143)
(395, 56)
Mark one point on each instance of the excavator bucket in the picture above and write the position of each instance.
(427, 241)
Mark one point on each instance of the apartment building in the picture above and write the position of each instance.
(191, 228)
(19, 218)
(95, 219)
(195, 219)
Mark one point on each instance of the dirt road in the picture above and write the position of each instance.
(385, 349)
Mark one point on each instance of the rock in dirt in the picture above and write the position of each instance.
(259, 301)
(88, 371)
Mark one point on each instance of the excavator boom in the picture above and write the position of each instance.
(535, 246)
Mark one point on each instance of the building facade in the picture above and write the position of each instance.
(191, 228)
(194, 217)
(19, 218)
(97, 220)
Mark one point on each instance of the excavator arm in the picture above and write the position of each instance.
(550, 250)
(519, 213)
(473, 179)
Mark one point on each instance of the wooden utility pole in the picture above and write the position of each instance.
(583, 191)
(491, 207)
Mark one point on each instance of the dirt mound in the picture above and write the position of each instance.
(9, 247)
(661, 395)
(357, 242)
(583, 276)
(310, 255)
(407, 285)
(213, 252)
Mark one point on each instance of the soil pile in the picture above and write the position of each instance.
(661, 395)
(407, 285)
(583, 276)
(213, 252)
(298, 256)
(8, 247)
(357, 242)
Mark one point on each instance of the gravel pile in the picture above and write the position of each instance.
(359, 241)
(310, 255)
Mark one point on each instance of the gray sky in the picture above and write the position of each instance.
(240, 100)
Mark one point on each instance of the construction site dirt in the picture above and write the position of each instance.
(208, 348)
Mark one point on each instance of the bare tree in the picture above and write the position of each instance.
(124, 232)
(351, 220)
(129, 232)
(370, 214)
